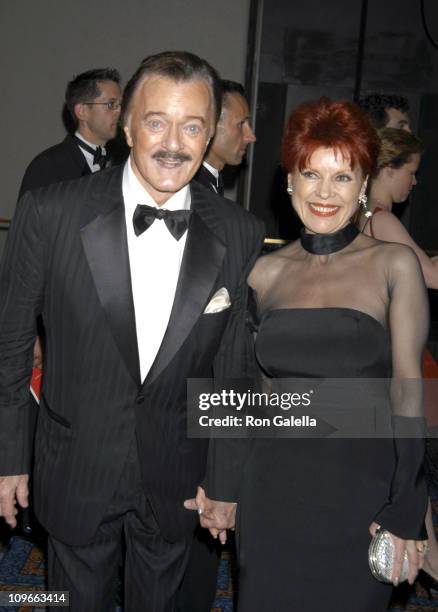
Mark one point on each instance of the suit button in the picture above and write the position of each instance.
(139, 399)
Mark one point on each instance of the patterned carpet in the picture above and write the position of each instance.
(416, 598)
(22, 568)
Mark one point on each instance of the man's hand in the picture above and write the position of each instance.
(13, 489)
(216, 516)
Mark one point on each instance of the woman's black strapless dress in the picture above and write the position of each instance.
(306, 504)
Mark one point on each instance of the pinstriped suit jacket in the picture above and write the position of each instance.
(67, 258)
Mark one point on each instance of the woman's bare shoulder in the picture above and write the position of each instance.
(267, 267)
(386, 221)
(398, 259)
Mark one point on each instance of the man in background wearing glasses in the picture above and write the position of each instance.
(93, 101)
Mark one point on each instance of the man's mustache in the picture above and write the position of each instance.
(168, 155)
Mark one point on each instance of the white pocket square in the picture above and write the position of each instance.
(220, 301)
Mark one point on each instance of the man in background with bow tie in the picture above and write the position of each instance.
(93, 101)
(232, 137)
(140, 276)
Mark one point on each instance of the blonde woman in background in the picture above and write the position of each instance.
(394, 178)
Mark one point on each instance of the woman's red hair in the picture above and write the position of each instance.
(342, 126)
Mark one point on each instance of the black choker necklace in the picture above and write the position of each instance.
(324, 244)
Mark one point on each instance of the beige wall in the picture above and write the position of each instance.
(45, 42)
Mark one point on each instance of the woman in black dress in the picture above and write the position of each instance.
(334, 304)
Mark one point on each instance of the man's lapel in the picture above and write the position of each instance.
(203, 255)
(106, 248)
(77, 156)
(206, 178)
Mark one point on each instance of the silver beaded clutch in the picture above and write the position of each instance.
(381, 557)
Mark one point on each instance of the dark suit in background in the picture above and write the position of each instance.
(67, 259)
(86, 113)
(206, 178)
(62, 162)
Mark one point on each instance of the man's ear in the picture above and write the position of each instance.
(80, 111)
(128, 135)
(212, 131)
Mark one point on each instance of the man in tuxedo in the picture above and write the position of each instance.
(232, 137)
(93, 102)
(124, 266)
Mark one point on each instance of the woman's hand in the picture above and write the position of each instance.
(416, 550)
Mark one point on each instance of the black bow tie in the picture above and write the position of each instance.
(99, 157)
(177, 221)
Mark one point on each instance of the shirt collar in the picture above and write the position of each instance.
(214, 171)
(134, 193)
(90, 144)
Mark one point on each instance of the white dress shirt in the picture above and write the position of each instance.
(155, 261)
(88, 157)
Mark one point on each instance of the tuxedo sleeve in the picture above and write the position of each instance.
(235, 360)
(21, 295)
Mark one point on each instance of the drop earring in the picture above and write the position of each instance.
(363, 200)
(290, 189)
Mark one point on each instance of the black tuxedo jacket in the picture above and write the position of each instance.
(206, 178)
(67, 258)
(62, 162)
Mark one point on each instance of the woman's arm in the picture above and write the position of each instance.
(404, 514)
(387, 227)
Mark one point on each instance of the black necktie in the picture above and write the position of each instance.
(220, 184)
(99, 158)
(177, 221)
